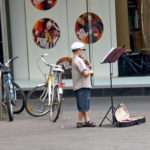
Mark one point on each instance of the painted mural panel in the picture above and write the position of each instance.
(97, 43)
(105, 10)
(46, 33)
(64, 18)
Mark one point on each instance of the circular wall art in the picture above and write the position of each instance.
(44, 4)
(89, 28)
(46, 33)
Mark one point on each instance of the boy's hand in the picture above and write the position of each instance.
(91, 72)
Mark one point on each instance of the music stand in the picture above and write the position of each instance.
(110, 58)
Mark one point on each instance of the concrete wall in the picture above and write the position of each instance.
(19, 41)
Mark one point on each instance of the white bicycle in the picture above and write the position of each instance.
(47, 97)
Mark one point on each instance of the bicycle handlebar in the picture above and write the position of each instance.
(6, 65)
(53, 66)
(11, 60)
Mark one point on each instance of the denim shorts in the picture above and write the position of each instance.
(83, 99)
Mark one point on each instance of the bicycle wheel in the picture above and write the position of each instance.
(7, 96)
(55, 107)
(19, 101)
(10, 110)
(37, 101)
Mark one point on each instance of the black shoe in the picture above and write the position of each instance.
(89, 124)
(80, 125)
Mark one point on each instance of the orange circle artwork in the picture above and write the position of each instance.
(89, 28)
(46, 33)
(44, 4)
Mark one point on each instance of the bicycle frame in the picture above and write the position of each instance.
(8, 93)
(53, 73)
(7, 87)
(6, 76)
(53, 70)
(50, 88)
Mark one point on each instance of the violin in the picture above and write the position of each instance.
(86, 62)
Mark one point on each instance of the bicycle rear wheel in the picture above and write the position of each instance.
(36, 103)
(55, 107)
(19, 101)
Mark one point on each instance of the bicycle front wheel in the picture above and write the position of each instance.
(37, 101)
(10, 110)
(19, 101)
(55, 107)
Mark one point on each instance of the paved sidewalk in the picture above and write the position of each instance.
(29, 133)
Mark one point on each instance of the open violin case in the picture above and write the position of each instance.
(124, 119)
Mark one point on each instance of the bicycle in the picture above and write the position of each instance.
(47, 97)
(12, 95)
